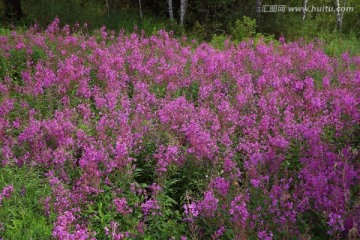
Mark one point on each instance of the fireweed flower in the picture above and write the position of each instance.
(114, 233)
(221, 185)
(191, 212)
(63, 225)
(208, 206)
(336, 221)
(122, 206)
(238, 210)
(6, 192)
(150, 207)
(218, 233)
(115, 105)
(263, 235)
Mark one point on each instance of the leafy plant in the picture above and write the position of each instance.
(244, 29)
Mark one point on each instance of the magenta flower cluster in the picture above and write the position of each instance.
(6, 192)
(274, 125)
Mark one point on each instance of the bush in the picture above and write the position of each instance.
(244, 29)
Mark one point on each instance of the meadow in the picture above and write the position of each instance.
(133, 136)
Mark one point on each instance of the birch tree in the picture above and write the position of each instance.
(140, 9)
(340, 14)
(305, 2)
(258, 9)
(171, 11)
(182, 11)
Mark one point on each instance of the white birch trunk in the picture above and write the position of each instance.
(338, 16)
(342, 15)
(140, 9)
(171, 12)
(304, 9)
(258, 8)
(182, 11)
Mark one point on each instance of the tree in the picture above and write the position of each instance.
(140, 9)
(171, 11)
(107, 7)
(340, 14)
(182, 11)
(258, 9)
(13, 9)
(304, 9)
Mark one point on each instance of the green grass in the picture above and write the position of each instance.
(21, 215)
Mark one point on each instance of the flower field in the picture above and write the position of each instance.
(108, 136)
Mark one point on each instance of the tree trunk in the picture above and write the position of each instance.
(182, 12)
(339, 15)
(13, 9)
(171, 12)
(304, 9)
(140, 9)
(107, 7)
(342, 15)
(258, 9)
